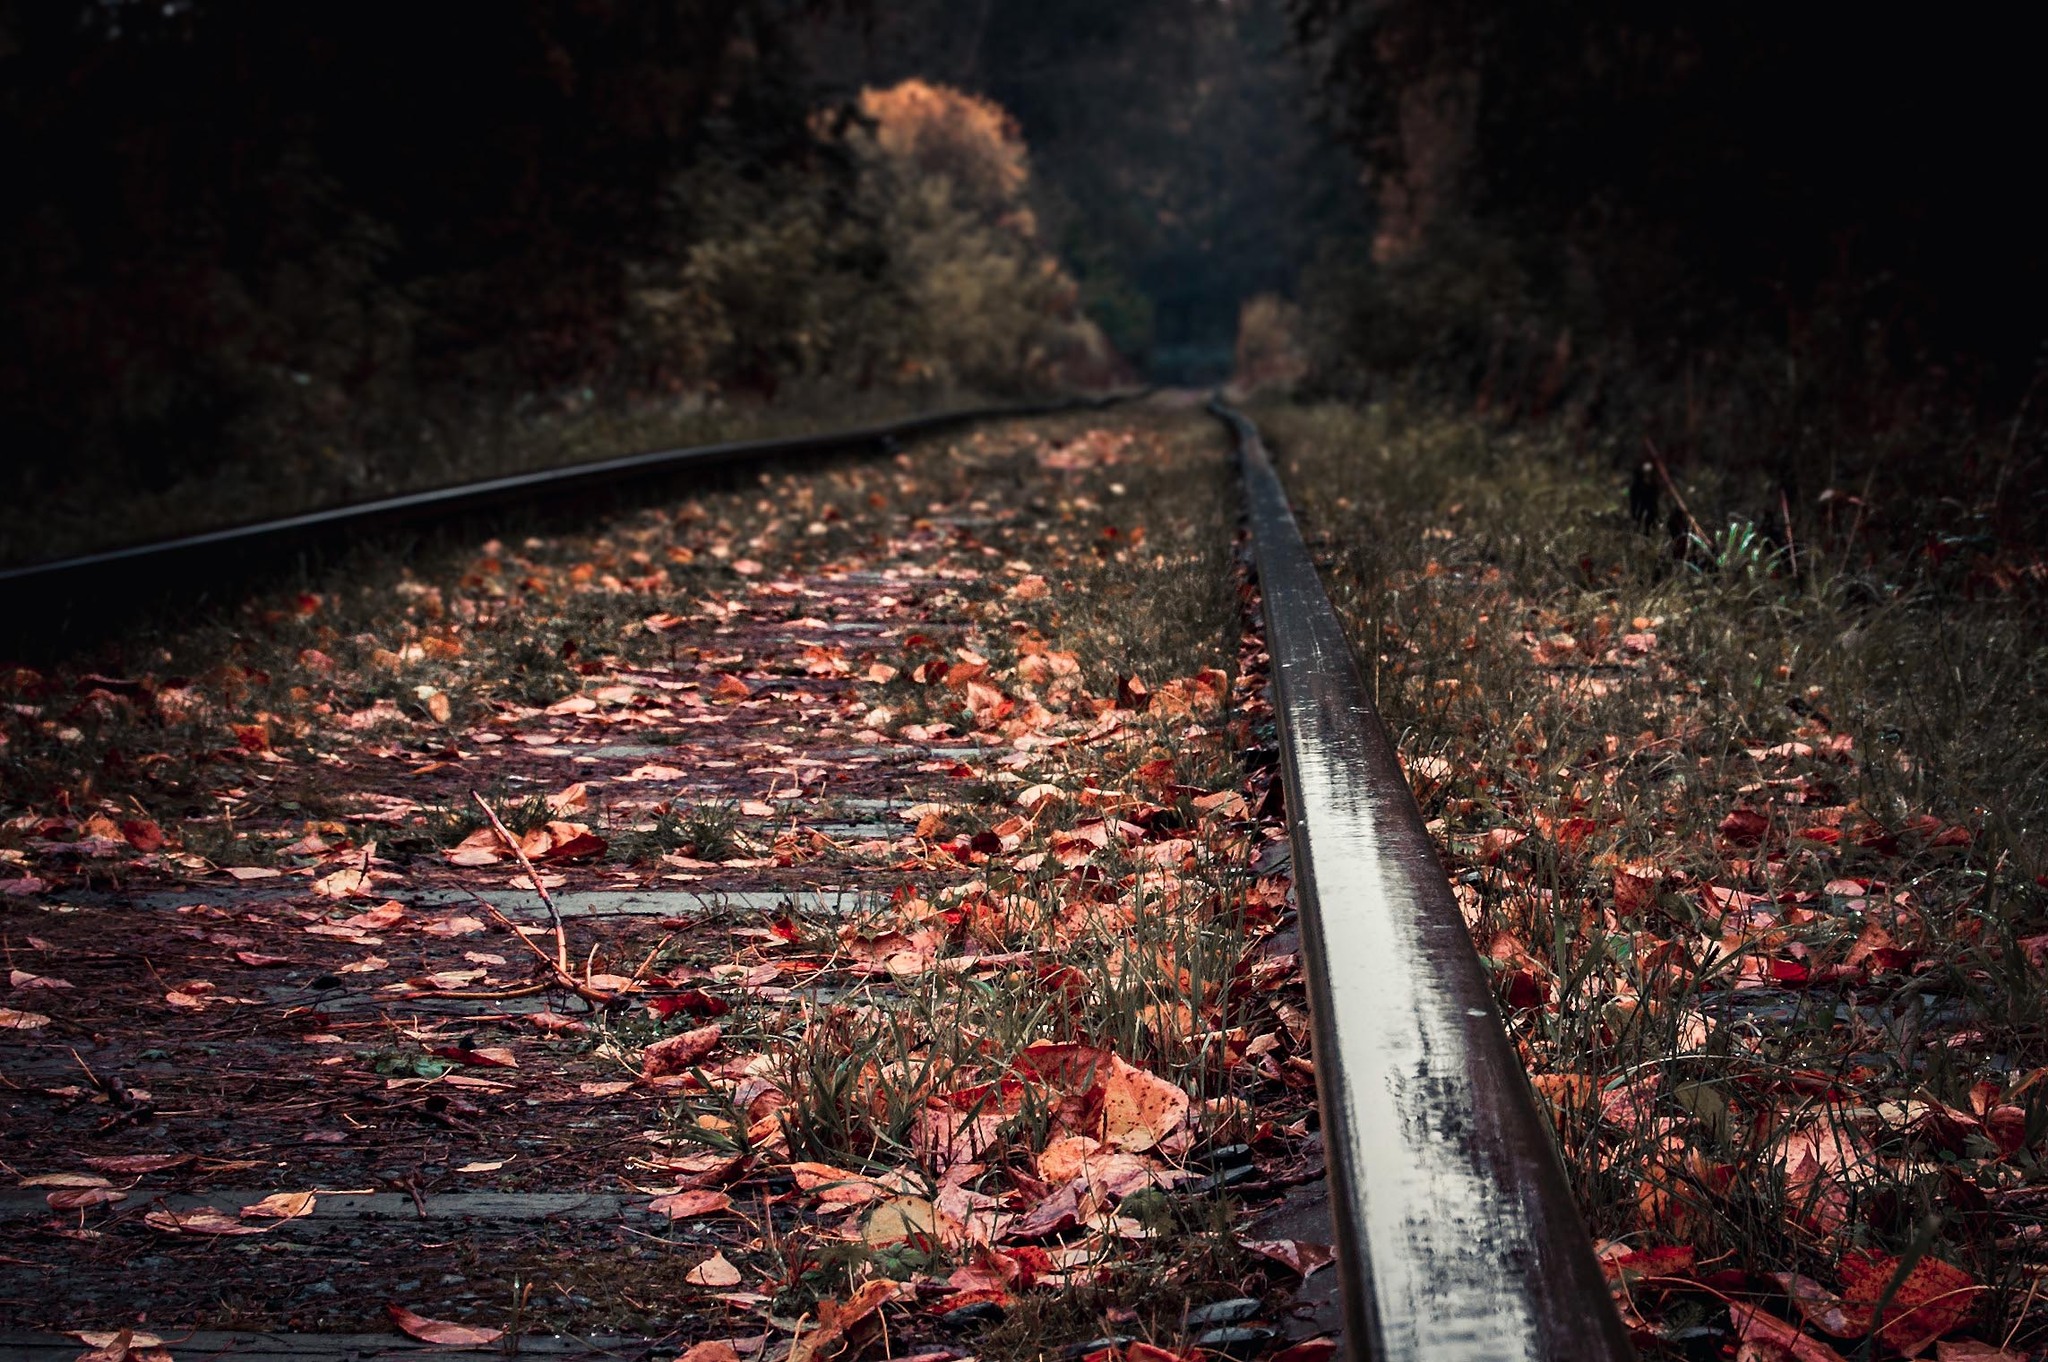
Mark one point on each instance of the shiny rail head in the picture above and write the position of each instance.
(1458, 1240)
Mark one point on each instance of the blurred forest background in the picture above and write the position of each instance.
(259, 256)
(1788, 240)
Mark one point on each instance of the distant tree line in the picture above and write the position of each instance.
(242, 230)
(1694, 178)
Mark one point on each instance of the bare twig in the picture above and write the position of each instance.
(554, 915)
(1791, 545)
(1664, 474)
(563, 978)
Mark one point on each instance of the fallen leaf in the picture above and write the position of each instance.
(441, 1331)
(11, 1020)
(677, 1054)
(78, 1198)
(1931, 1300)
(1139, 1109)
(713, 1271)
(686, 1205)
(711, 1350)
(204, 1220)
(1302, 1258)
(282, 1206)
(65, 1180)
(1755, 1325)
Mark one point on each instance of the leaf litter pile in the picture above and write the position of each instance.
(1743, 838)
(836, 914)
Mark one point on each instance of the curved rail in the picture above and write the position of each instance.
(1457, 1237)
(56, 596)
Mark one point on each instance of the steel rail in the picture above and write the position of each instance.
(1457, 1237)
(52, 595)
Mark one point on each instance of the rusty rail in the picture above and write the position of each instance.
(1457, 1236)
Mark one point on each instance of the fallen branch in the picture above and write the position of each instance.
(554, 915)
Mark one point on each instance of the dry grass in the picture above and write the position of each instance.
(1754, 853)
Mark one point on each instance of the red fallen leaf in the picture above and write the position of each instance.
(486, 1056)
(258, 960)
(1157, 774)
(1745, 827)
(1829, 836)
(441, 1331)
(252, 737)
(685, 1205)
(1303, 1259)
(143, 834)
(1573, 833)
(1670, 1260)
(1072, 1066)
(1931, 1300)
(1147, 1352)
(1525, 989)
(1754, 1325)
(694, 1001)
(1308, 1350)
(677, 1054)
(1790, 972)
(2007, 1126)
(961, 1300)
(78, 1198)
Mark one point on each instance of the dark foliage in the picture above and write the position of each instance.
(217, 208)
(1697, 172)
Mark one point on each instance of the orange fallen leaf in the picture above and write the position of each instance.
(711, 1350)
(282, 1206)
(1139, 1109)
(441, 1331)
(685, 1205)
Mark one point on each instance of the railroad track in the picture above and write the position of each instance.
(1456, 1236)
(1456, 1231)
(46, 607)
